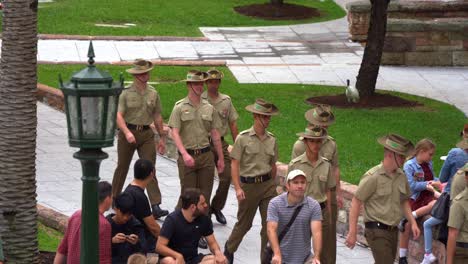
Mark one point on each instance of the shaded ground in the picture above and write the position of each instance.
(46, 257)
(268, 11)
(376, 101)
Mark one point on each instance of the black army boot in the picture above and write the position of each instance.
(158, 212)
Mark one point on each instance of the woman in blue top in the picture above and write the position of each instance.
(420, 175)
(456, 158)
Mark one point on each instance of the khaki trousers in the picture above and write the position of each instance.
(200, 176)
(461, 255)
(219, 200)
(146, 149)
(331, 251)
(328, 255)
(257, 196)
(383, 244)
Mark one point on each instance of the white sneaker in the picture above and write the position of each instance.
(428, 259)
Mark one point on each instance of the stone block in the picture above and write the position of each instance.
(439, 58)
(399, 44)
(460, 58)
(440, 38)
(343, 216)
(393, 58)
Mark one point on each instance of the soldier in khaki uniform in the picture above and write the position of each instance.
(321, 115)
(193, 120)
(457, 243)
(253, 170)
(318, 172)
(385, 193)
(139, 106)
(228, 114)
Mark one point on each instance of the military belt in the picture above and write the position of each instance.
(373, 225)
(255, 179)
(462, 244)
(195, 152)
(137, 127)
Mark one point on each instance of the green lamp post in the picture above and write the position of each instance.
(91, 98)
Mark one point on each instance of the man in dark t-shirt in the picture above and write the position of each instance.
(143, 173)
(126, 230)
(182, 229)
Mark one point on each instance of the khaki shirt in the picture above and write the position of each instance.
(458, 217)
(139, 109)
(382, 195)
(329, 150)
(458, 184)
(255, 157)
(194, 123)
(319, 177)
(226, 111)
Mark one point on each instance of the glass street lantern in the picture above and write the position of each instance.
(91, 99)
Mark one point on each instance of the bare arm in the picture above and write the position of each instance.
(329, 209)
(152, 225)
(272, 234)
(158, 123)
(188, 160)
(353, 219)
(339, 194)
(219, 149)
(234, 130)
(163, 249)
(316, 227)
(451, 244)
(407, 211)
(236, 179)
(60, 258)
(214, 248)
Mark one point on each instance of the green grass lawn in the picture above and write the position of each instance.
(355, 130)
(49, 239)
(158, 17)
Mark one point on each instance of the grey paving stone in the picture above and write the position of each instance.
(277, 74)
(131, 50)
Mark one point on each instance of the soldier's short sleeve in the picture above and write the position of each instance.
(122, 103)
(405, 191)
(331, 181)
(290, 167)
(456, 216)
(237, 149)
(217, 122)
(298, 149)
(275, 158)
(174, 119)
(157, 105)
(233, 115)
(366, 188)
(334, 160)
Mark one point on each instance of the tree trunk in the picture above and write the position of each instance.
(18, 123)
(276, 2)
(370, 64)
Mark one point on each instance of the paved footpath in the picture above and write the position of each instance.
(59, 186)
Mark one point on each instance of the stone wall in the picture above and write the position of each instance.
(419, 32)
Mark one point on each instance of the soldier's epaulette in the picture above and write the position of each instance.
(331, 138)
(373, 170)
(325, 159)
(180, 101)
(244, 132)
(296, 159)
(458, 197)
(271, 134)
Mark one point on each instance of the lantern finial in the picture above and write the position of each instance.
(91, 54)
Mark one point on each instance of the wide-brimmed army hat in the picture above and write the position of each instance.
(397, 144)
(140, 66)
(321, 115)
(214, 74)
(195, 76)
(313, 132)
(262, 107)
(463, 144)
